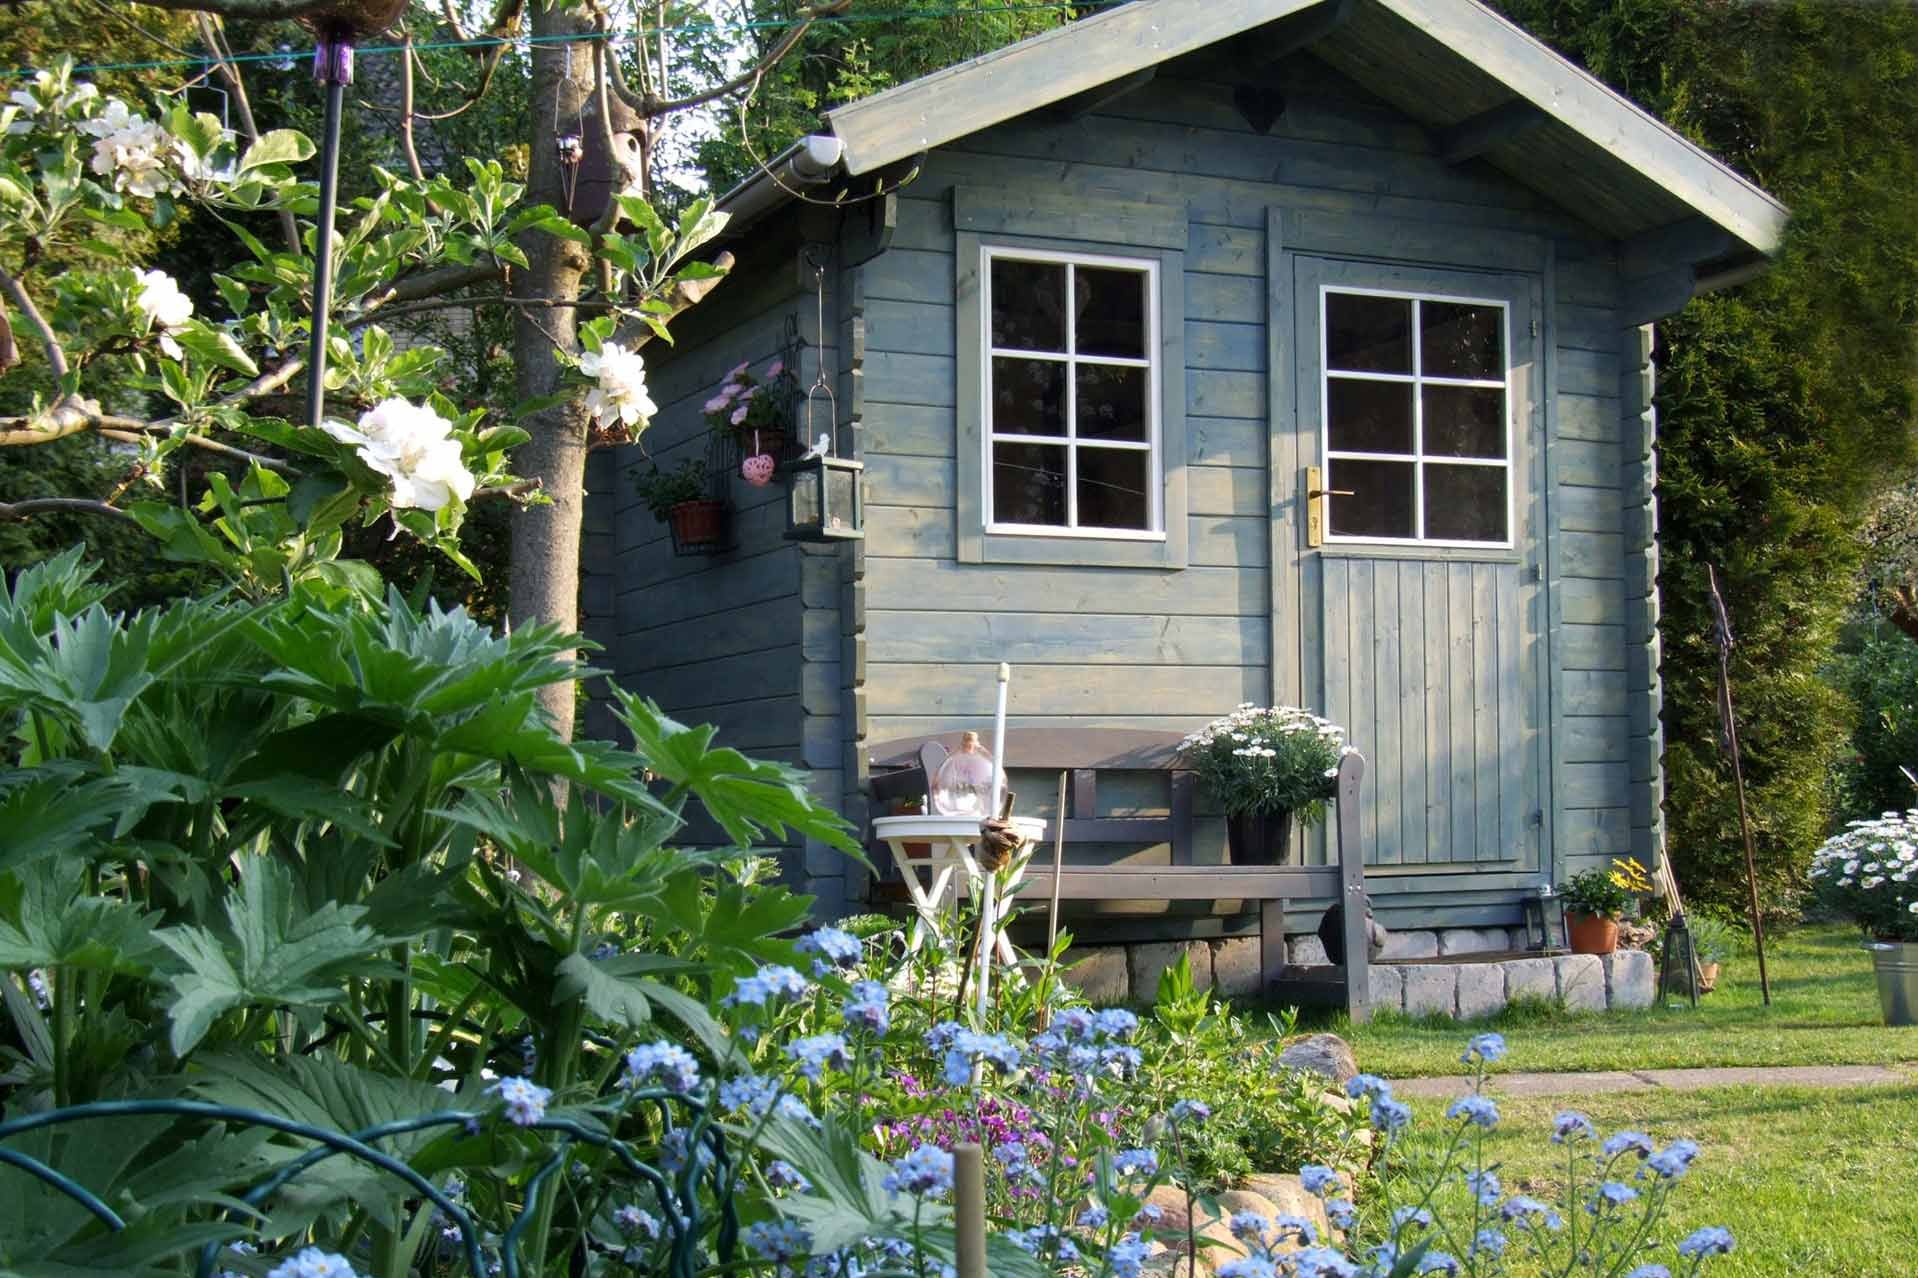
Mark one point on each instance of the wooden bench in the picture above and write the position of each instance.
(902, 770)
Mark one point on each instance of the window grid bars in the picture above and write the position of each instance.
(1417, 380)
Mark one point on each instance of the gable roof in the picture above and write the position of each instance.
(1484, 87)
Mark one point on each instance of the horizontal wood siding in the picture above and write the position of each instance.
(713, 639)
(1139, 647)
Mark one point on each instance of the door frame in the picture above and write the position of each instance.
(1292, 233)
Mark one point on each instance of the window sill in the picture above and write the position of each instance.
(1071, 550)
(1435, 554)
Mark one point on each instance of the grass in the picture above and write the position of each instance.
(1824, 1011)
(1812, 1183)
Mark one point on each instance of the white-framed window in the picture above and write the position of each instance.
(1071, 396)
(1416, 397)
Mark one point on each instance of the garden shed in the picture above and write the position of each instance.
(1202, 352)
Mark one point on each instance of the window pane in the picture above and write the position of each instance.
(1112, 402)
(1368, 417)
(1028, 484)
(1381, 500)
(1464, 421)
(1461, 340)
(1368, 334)
(1110, 314)
(1465, 503)
(1112, 491)
(1028, 305)
(1028, 397)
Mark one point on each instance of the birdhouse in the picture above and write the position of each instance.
(827, 501)
(601, 174)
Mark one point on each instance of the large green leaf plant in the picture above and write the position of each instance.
(329, 861)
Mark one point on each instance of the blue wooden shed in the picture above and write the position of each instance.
(1203, 352)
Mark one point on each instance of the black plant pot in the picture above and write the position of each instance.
(1259, 838)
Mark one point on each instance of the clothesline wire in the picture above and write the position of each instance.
(586, 37)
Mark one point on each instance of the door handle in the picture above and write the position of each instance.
(1315, 505)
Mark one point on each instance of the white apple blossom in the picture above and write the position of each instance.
(132, 150)
(621, 392)
(164, 306)
(413, 446)
(33, 101)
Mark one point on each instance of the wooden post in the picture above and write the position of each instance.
(1722, 635)
(969, 1208)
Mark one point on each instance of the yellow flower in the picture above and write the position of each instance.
(1629, 875)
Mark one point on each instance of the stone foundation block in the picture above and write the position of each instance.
(1326, 1055)
(1432, 988)
(1481, 989)
(1385, 989)
(1471, 940)
(1405, 945)
(1530, 978)
(1581, 982)
(1235, 966)
(1631, 979)
(1147, 961)
(1099, 974)
(1308, 950)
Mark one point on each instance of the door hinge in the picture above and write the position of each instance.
(1534, 328)
(1538, 818)
(1534, 573)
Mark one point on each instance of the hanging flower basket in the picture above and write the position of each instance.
(697, 525)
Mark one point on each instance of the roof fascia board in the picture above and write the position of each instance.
(1009, 82)
(1590, 108)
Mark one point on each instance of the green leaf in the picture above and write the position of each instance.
(55, 923)
(608, 989)
(277, 950)
(216, 346)
(752, 800)
(281, 146)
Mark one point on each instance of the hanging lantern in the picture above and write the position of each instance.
(827, 501)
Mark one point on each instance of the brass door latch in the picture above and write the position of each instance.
(1315, 505)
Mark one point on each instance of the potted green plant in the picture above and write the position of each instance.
(1595, 901)
(1869, 873)
(679, 499)
(1266, 767)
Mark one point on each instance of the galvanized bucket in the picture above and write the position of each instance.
(1896, 963)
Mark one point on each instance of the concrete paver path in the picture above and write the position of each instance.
(1678, 1080)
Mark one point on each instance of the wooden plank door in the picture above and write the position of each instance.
(1420, 614)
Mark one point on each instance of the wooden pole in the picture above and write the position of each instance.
(969, 1209)
(988, 890)
(1722, 625)
(1058, 861)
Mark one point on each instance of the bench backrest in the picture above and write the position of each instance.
(1082, 753)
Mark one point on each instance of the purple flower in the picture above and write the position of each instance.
(925, 1172)
(1650, 1271)
(1195, 1112)
(770, 984)
(1490, 1242)
(867, 1007)
(780, 1241)
(1611, 1194)
(1571, 1125)
(1618, 1144)
(1712, 1240)
(1249, 1227)
(668, 1064)
(1126, 1258)
(1135, 1162)
(1484, 1047)
(837, 947)
(1115, 1023)
(781, 1174)
(1475, 1109)
(1319, 1180)
(819, 1053)
(1389, 1115)
(1484, 1186)
(630, 1220)
(1341, 1213)
(1674, 1160)
(1528, 1209)
(524, 1099)
(1370, 1086)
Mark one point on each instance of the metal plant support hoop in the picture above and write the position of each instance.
(686, 1215)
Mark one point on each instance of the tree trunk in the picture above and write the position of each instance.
(544, 578)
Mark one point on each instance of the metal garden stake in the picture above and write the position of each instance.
(1722, 637)
(333, 68)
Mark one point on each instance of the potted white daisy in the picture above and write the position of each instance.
(1869, 873)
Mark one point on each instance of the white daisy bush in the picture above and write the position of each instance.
(157, 362)
(1869, 873)
(1277, 759)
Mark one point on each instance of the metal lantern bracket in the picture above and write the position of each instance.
(827, 498)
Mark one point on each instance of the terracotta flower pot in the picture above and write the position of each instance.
(1707, 977)
(697, 523)
(1592, 933)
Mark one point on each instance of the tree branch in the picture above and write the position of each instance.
(652, 106)
(60, 505)
(56, 357)
(259, 10)
(210, 445)
(289, 229)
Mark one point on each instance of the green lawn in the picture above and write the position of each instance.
(1811, 1183)
(1824, 1012)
